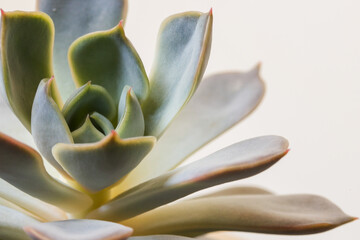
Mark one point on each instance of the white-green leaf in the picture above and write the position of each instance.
(288, 214)
(48, 126)
(79, 229)
(108, 59)
(221, 101)
(160, 237)
(87, 133)
(30, 204)
(183, 49)
(73, 19)
(240, 160)
(12, 223)
(22, 167)
(99, 165)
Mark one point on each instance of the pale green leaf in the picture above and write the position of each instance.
(288, 214)
(26, 57)
(12, 223)
(108, 59)
(131, 123)
(79, 229)
(238, 161)
(102, 123)
(183, 49)
(22, 167)
(74, 19)
(221, 101)
(99, 165)
(48, 126)
(87, 133)
(160, 237)
(86, 100)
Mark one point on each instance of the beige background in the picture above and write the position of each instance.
(310, 52)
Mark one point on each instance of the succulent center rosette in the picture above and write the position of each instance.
(100, 121)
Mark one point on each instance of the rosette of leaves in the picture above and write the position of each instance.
(118, 136)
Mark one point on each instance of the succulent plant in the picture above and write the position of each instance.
(117, 181)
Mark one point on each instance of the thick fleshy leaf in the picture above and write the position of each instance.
(86, 100)
(108, 59)
(80, 229)
(26, 52)
(12, 223)
(32, 205)
(160, 237)
(288, 214)
(183, 49)
(87, 133)
(131, 123)
(237, 161)
(244, 190)
(99, 165)
(22, 167)
(48, 126)
(220, 102)
(102, 123)
(74, 19)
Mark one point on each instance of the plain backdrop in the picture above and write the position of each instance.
(310, 54)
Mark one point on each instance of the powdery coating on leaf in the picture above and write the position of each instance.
(78, 230)
(288, 214)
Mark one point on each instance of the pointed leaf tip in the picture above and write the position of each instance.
(211, 12)
(2, 12)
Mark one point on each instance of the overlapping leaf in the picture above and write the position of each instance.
(235, 162)
(73, 19)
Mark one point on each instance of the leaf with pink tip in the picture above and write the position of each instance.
(183, 49)
(99, 165)
(79, 229)
(73, 19)
(238, 161)
(26, 57)
(22, 167)
(108, 59)
(221, 101)
(286, 214)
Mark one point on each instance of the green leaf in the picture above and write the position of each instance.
(240, 160)
(86, 100)
(48, 126)
(131, 122)
(74, 19)
(22, 167)
(160, 237)
(183, 49)
(32, 205)
(99, 165)
(87, 133)
(26, 52)
(12, 223)
(79, 229)
(101, 122)
(288, 214)
(243, 190)
(108, 59)
(221, 101)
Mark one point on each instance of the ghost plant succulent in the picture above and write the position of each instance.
(116, 179)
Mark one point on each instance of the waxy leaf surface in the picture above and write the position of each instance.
(87, 100)
(48, 126)
(87, 133)
(240, 160)
(22, 167)
(73, 19)
(108, 59)
(183, 49)
(12, 223)
(102, 123)
(26, 57)
(131, 122)
(221, 101)
(81, 229)
(30, 204)
(99, 165)
(288, 214)
(160, 237)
